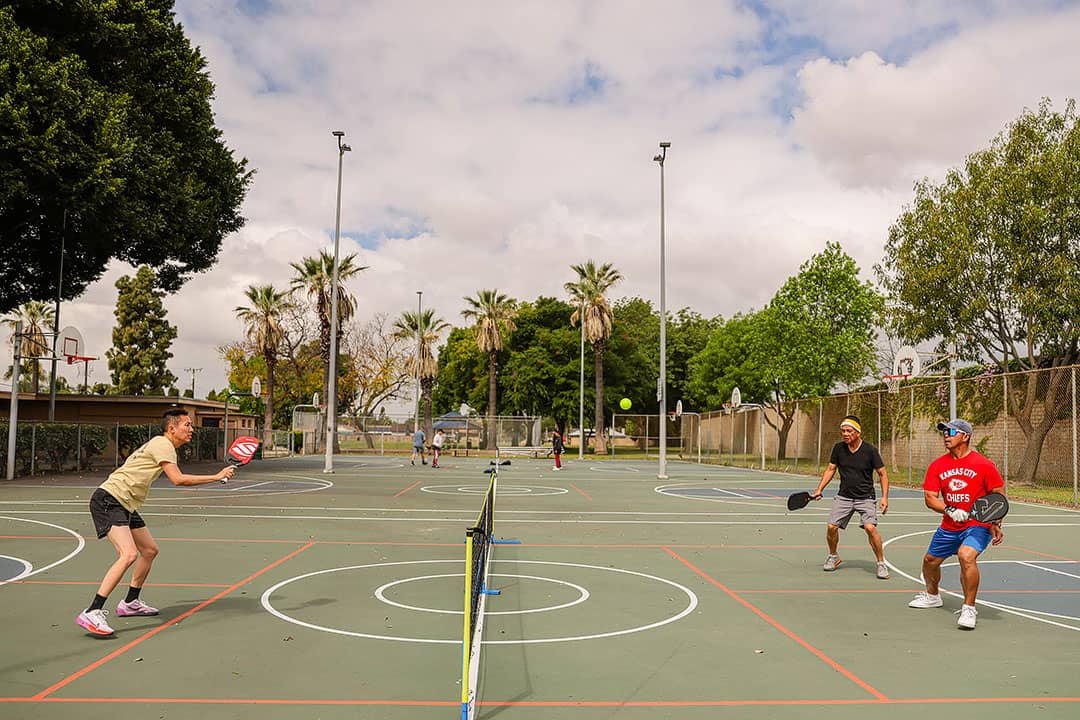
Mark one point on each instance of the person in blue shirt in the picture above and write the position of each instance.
(418, 447)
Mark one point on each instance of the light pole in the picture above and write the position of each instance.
(419, 340)
(661, 385)
(331, 381)
(581, 387)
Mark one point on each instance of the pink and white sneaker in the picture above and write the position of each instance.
(93, 621)
(135, 607)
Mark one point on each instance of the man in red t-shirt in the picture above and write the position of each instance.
(953, 483)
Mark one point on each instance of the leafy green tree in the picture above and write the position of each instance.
(816, 332)
(493, 314)
(426, 328)
(107, 139)
(687, 334)
(589, 296)
(265, 333)
(540, 376)
(990, 259)
(37, 319)
(726, 362)
(463, 376)
(141, 339)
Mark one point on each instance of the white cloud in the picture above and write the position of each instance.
(483, 157)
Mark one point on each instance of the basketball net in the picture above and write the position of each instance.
(892, 383)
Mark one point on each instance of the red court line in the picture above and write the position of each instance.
(35, 537)
(146, 636)
(765, 616)
(763, 494)
(408, 488)
(1036, 552)
(587, 496)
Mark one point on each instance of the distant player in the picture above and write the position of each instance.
(114, 507)
(953, 483)
(857, 461)
(418, 447)
(557, 448)
(436, 447)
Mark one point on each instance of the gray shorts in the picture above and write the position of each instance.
(843, 508)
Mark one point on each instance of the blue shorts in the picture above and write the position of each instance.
(946, 542)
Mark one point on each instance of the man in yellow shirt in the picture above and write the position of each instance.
(114, 506)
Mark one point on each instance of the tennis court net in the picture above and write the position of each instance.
(478, 554)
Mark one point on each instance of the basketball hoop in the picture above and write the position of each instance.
(892, 382)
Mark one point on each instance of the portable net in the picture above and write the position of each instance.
(478, 556)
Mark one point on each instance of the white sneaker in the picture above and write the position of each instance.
(967, 617)
(135, 607)
(882, 571)
(93, 621)
(831, 563)
(926, 600)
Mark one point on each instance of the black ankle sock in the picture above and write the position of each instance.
(133, 594)
(99, 602)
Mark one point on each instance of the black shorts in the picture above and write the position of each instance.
(107, 511)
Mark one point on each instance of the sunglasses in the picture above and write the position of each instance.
(950, 432)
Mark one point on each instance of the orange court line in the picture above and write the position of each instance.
(146, 636)
(408, 488)
(765, 616)
(1036, 552)
(585, 494)
(549, 703)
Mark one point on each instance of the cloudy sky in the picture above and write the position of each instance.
(494, 144)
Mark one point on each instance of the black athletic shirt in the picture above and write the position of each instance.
(856, 470)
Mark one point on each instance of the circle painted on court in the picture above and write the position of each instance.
(583, 595)
(28, 571)
(691, 604)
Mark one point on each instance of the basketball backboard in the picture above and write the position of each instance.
(907, 362)
(70, 344)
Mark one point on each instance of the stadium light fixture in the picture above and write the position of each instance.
(661, 384)
(331, 376)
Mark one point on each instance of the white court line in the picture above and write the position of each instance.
(1025, 613)
(732, 493)
(1049, 570)
(248, 487)
(80, 543)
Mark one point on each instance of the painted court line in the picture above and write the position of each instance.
(408, 488)
(146, 636)
(1047, 569)
(582, 492)
(767, 618)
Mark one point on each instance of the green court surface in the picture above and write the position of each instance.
(291, 593)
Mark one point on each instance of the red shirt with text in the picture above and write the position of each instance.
(962, 482)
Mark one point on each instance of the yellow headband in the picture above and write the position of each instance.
(852, 424)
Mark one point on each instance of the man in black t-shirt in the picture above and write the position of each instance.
(857, 461)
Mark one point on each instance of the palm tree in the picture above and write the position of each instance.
(263, 329)
(493, 314)
(427, 327)
(315, 277)
(37, 318)
(588, 293)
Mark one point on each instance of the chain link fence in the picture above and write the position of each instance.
(1026, 423)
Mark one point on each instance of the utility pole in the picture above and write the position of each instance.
(192, 371)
